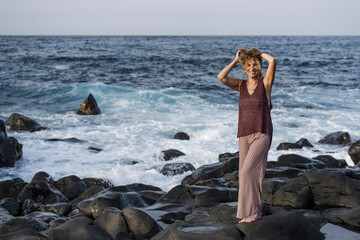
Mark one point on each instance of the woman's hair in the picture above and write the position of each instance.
(246, 55)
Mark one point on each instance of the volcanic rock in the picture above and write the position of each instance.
(89, 107)
(20, 122)
(337, 138)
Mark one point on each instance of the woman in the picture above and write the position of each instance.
(254, 127)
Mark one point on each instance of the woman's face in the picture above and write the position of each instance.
(252, 68)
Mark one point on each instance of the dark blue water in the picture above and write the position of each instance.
(149, 87)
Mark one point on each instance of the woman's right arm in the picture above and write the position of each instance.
(232, 83)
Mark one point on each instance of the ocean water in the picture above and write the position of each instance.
(150, 87)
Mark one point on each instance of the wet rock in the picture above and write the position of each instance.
(94, 149)
(337, 138)
(304, 142)
(22, 228)
(138, 187)
(214, 170)
(89, 107)
(172, 217)
(69, 140)
(61, 209)
(284, 226)
(79, 228)
(77, 213)
(57, 222)
(11, 188)
(269, 187)
(199, 231)
(119, 197)
(181, 136)
(287, 146)
(224, 157)
(150, 196)
(20, 122)
(348, 218)
(221, 213)
(4, 215)
(354, 152)
(2, 129)
(41, 192)
(91, 191)
(71, 186)
(331, 162)
(212, 196)
(282, 172)
(179, 198)
(43, 216)
(295, 193)
(140, 223)
(10, 151)
(171, 154)
(114, 223)
(27, 206)
(297, 161)
(43, 176)
(331, 188)
(11, 205)
(97, 182)
(171, 169)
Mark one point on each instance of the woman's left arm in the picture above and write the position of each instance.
(270, 73)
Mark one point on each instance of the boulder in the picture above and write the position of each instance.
(331, 188)
(23, 228)
(224, 157)
(212, 196)
(181, 136)
(348, 218)
(171, 169)
(41, 192)
(179, 198)
(150, 196)
(181, 230)
(120, 197)
(20, 122)
(284, 226)
(214, 170)
(287, 146)
(170, 154)
(282, 172)
(269, 187)
(79, 228)
(297, 161)
(11, 188)
(304, 142)
(4, 215)
(105, 183)
(61, 209)
(11, 205)
(89, 192)
(113, 222)
(46, 217)
(2, 129)
(71, 186)
(337, 138)
(10, 151)
(140, 223)
(354, 152)
(295, 193)
(172, 217)
(89, 107)
(221, 213)
(331, 162)
(138, 187)
(43, 177)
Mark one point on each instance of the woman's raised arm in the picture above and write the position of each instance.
(270, 73)
(232, 83)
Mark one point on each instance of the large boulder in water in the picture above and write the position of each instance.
(181, 136)
(10, 151)
(354, 152)
(2, 129)
(89, 107)
(20, 122)
(337, 138)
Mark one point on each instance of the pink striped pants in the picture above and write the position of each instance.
(253, 152)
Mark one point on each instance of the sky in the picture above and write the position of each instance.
(179, 17)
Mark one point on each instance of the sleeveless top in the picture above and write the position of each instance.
(254, 111)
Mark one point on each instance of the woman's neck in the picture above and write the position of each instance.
(253, 80)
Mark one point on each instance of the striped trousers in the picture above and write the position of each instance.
(253, 152)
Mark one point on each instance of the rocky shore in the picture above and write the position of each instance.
(300, 196)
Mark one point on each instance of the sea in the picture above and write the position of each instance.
(150, 87)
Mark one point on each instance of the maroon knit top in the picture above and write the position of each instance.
(254, 111)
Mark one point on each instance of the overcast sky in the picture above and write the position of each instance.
(180, 17)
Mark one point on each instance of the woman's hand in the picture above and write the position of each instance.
(237, 57)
